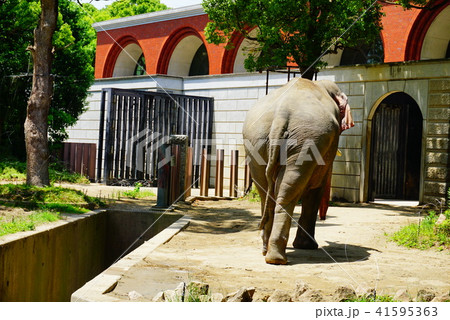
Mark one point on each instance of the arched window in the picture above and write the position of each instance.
(200, 62)
(139, 70)
(436, 42)
(125, 65)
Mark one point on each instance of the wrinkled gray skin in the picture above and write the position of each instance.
(301, 110)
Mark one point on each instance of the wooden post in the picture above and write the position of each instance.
(204, 177)
(234, 173)
(188, 180)
(219, 172)
(247, 178)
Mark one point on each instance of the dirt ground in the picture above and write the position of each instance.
(222, 247)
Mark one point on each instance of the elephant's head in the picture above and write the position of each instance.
(341, 100)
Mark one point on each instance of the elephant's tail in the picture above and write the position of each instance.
(277, 132)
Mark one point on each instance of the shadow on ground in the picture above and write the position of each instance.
(331, 253)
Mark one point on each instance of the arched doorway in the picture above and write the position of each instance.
(396, 143)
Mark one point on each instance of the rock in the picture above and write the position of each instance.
(217, 297)
(242, 295)
(402, 295)
(367, 293)
(134, 295)
(300, 288)
(197, 288)
(261, 295)
(440, 219)
(311, 296)
(159, 297)
(180, 291)
(442, 298)
(344, 293)
(425, 295)
(280, 296)
(171, 296)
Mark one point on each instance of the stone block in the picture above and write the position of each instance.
(438, 128)
(439, 113)
(356, 102)
(352, 168)
(439, 99)
(439, 85)
(440, 158)
(437, 173)
(437, 143)
(357, 88)
(433, 188)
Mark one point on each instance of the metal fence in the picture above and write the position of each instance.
(137, 124)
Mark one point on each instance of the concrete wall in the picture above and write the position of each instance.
(50, 264)
(426, 82)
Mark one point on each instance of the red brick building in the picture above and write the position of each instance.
(170, 39)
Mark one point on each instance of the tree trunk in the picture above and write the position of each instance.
(36, 127)
(308, 73)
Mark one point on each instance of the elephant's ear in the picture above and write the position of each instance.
(344, 111)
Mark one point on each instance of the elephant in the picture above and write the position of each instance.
(280, 133)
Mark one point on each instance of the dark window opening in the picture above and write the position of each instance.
(363, 54)
(200, 62)
(139, 70)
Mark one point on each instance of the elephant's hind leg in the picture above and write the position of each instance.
(276, 253)
(307, 222)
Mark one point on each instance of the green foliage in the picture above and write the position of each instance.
(74, 42)
(58, 173)
(426, 234)
(253, 195)
(123, 8)
(372, 299)
(137, 193)
(292, 30)
(298, 31)
(26, 223)
(13, 170)
(46, 197)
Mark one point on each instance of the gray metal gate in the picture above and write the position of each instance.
(139, 122)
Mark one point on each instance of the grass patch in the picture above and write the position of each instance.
(46, 197)
(46, 205)
(253, 195)
(12, 170)
(26, 223)
(137, 193)
(372, 299)
(425, 234)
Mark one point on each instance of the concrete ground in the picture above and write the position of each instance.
(222, 247)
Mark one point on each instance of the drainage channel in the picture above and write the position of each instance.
(51, 263)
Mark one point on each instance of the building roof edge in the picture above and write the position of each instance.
(152, 17)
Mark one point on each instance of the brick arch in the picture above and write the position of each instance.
(419, 30)
(169, 47)
(229, 56)
(114, 52)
